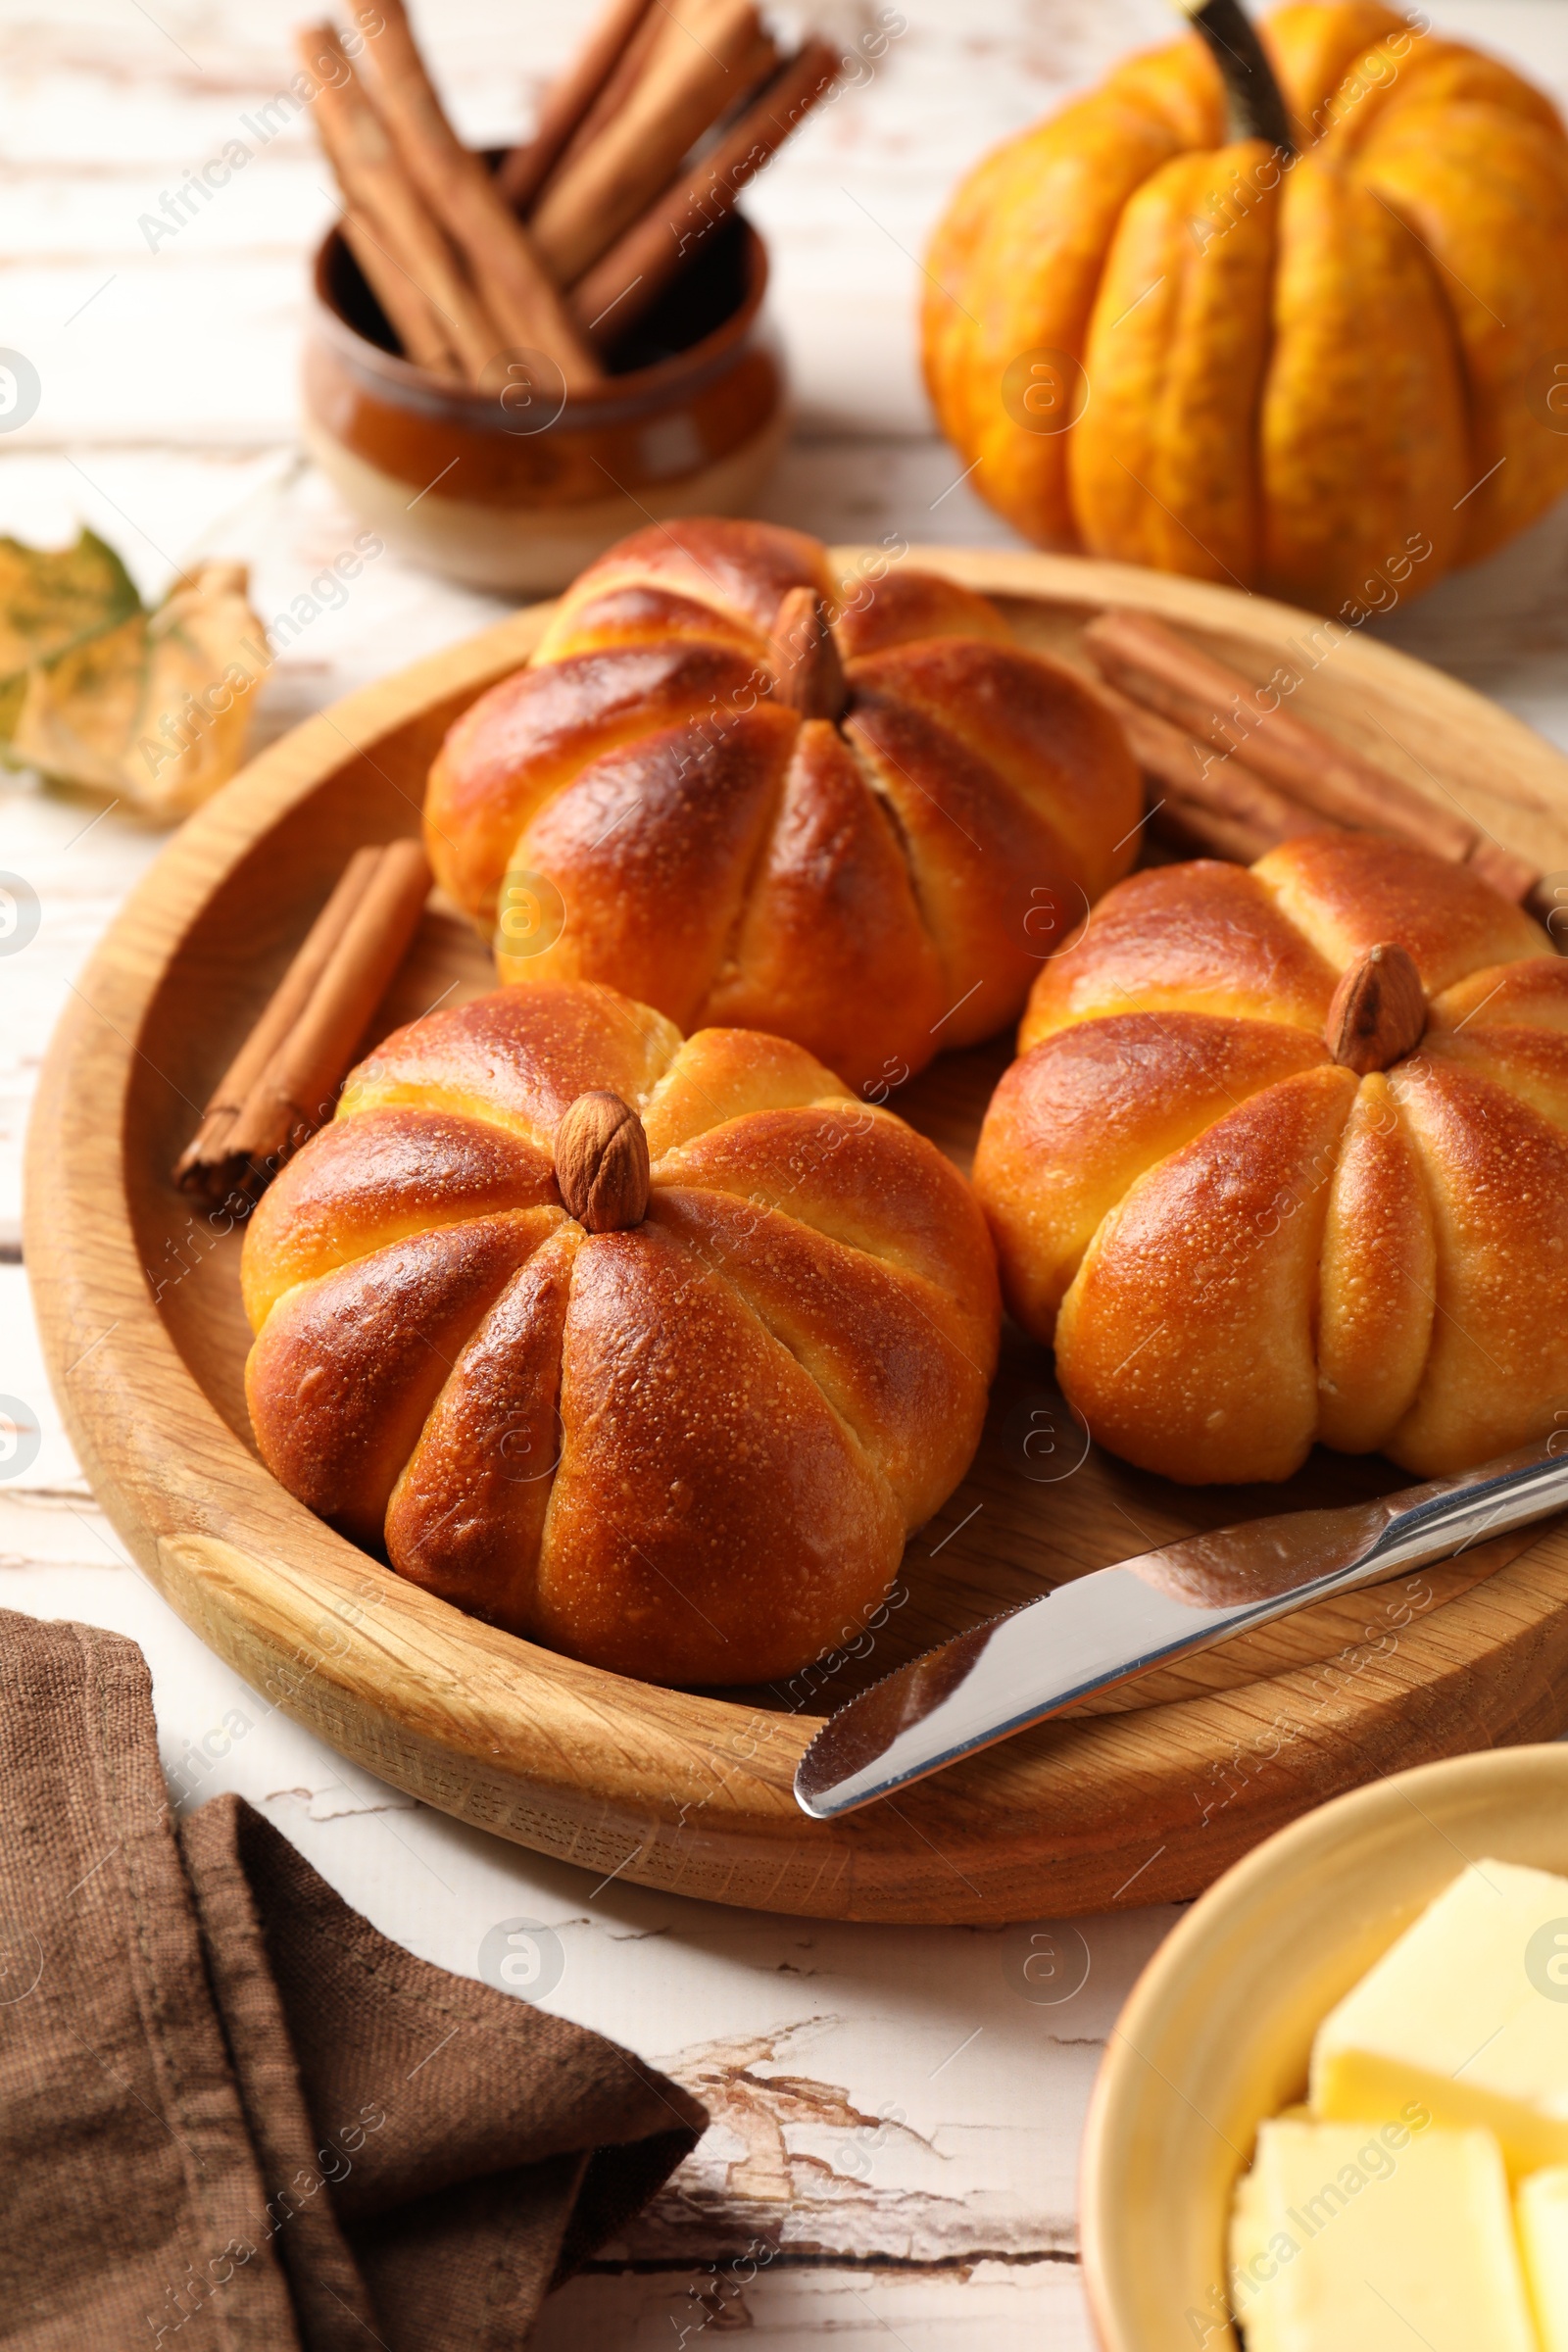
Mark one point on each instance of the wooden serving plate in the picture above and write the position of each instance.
(1145, 1796)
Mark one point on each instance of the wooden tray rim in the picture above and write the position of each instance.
(702, 1786)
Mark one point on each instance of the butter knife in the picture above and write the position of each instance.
(1120, 1622)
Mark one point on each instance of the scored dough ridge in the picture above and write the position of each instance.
(1416, 1210)
(751, 1307)
(921, 1291)
(558, 648)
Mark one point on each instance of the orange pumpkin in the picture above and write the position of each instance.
(1317, 371)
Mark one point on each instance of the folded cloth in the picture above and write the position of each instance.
(234, 2118)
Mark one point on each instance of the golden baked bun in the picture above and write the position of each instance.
(1241, 1241)
(685, 1438)
(862, 837)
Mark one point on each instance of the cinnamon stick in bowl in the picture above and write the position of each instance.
(706, 59)
(625, 73)
(569, 103)
(509, 278)
(408, 310)
(638, 266)
(388, 208)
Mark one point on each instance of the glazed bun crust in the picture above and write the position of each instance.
(869, 883)
(1240, 1248)
(691, 1450)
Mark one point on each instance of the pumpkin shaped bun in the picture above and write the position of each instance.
(1286, 1158)
(653, 1350)
(1320, 368)
(750, 801)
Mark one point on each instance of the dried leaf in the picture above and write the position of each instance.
(50, 599)
(154, 711)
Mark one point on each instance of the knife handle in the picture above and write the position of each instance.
(1447, 1515)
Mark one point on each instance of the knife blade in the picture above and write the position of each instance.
(1120, 1622)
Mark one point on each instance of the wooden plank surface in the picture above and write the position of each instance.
(168, 408)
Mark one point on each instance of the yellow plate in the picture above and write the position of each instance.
(1218, 2030)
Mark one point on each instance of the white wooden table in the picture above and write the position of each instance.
(896, 2111)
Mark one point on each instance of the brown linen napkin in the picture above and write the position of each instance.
(233, 2116)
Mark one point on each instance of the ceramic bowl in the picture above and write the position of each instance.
(519, 496)
(1218, 2030)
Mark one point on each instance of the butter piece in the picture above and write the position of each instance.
(1365, 2237)
(1249, 2230)
(1467, 2013)
(1543, 2231)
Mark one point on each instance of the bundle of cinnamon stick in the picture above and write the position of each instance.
(284, 1082)
(1235, 772)
(642, 148)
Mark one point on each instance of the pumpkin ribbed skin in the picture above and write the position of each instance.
(1237, 1246)
(1292, 376)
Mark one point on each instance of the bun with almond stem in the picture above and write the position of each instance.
(857, 815)
(1285, 1161)
(650, 1349)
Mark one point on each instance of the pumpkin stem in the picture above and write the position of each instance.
(1258, 108)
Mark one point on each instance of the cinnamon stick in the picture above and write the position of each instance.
(408, 311)
(1514, 878)
(1167, 674)
(699, 68)
(373, 184)
(296, 1091)
(567, 103)
(1312, 769)
(204, 1161)
(1193, 826)
(1229, 796)
(507, 275)
(619, 85)
(635, 270)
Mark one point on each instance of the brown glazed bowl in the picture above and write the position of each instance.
(520, 493)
